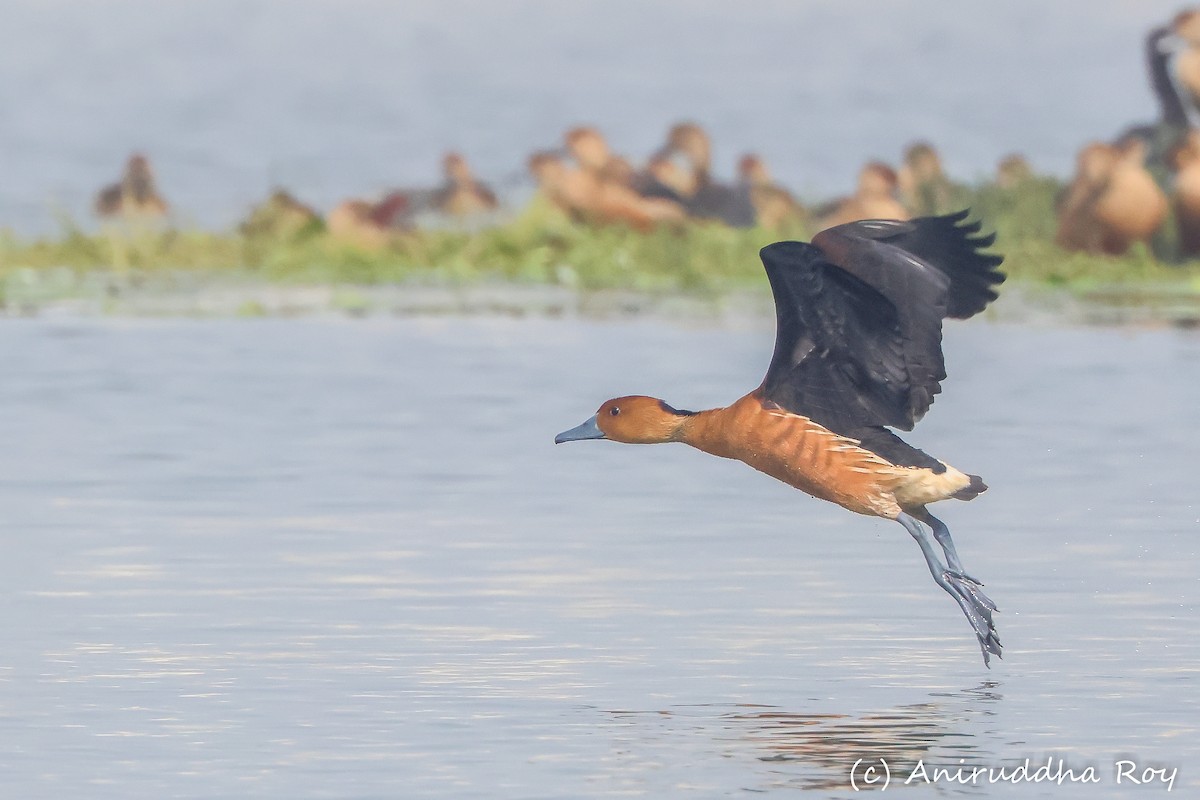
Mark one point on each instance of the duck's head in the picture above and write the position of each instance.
(753, 171)
(1186, 25)
(922, 159)
(690, 139)
(1013, 170)
(455, 168)
(588, 147)
(1095, 162)
(139, 165)
(877, 179)
(547, 167)
(139, 177)
(632, 420)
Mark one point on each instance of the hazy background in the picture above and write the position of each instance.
(339, 98)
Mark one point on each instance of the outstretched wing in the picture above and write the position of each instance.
(859, 318)
(946, 243)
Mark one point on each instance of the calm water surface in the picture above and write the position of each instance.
(306, 559)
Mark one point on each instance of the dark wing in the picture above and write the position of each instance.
(859, 315)
(945, 243)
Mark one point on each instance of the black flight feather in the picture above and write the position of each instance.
(859, 322)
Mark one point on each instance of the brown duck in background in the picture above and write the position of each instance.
(1174, 78)
(357, 223)
(591, 152)
(1112, 201)
(774, 206)
(461, 195)
(1173, 66)
(587, 197)
(665, 179)
(280, 216)
(134, 196)
(1013, 170)
(924, 187)
(589, 148)
(662, 179)
(857, 350)
(1185, 162)
(707, 199)
(874, 198)
(1181, 46)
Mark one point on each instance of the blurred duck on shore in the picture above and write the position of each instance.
(662, 180)
(874, 198)
(1176, 47)
(665, 179)
(592, 155)
(357, 223)
(924, 188)
(1125, 191)
(135, 196)
(459, 197)
(774, 206)
(370, 225)
(460, 194)
(585, 195)
(702, 196)
(1013, 171)
(1112, 201)
(1185, 162)
(1172, 54)
(280, 216)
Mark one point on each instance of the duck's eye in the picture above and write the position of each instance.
(614, 411)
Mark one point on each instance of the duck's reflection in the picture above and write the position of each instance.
(940, 729)
(823, 747)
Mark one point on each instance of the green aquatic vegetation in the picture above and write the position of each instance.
(541, 246)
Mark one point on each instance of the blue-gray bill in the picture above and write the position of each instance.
(588, 430)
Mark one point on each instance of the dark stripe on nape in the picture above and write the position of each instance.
(675, 411)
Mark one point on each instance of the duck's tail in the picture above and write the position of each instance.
(975, 488)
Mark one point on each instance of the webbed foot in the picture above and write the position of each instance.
(978, 608)
(966, 590)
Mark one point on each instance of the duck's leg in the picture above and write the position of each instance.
(942, 534)
(977, 606)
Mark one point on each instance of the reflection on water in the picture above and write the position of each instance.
(295, 559)
(901, 736)
(816, 751)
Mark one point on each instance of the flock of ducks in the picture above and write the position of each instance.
(1124, 191)
(592, 185)
(1130, 189)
